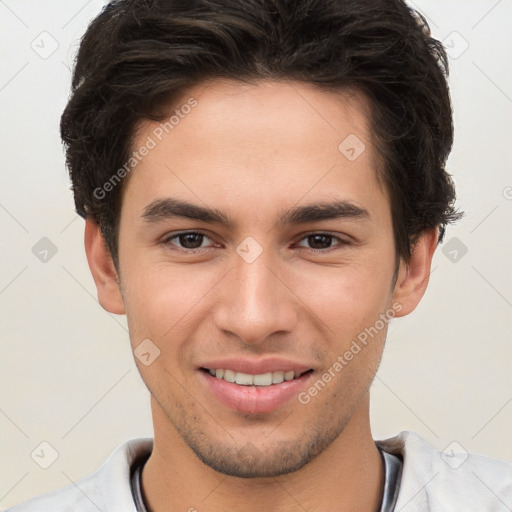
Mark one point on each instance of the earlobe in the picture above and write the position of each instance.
(103, 269)
(413, 277)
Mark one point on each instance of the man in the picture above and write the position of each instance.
(263, 185)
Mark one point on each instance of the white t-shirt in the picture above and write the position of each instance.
(431, 481)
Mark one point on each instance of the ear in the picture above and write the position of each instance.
(102, 268)
(413, 277)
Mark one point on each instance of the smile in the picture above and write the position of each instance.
(261, 379)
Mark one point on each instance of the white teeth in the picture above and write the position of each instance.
(277, 377)
(229, 375)
(243, 378)
(263, 379)
(247, 379)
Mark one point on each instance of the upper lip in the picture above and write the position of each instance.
(256, 366)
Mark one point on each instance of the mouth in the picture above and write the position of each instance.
(253, 393)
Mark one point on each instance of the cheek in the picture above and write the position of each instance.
(162, 299)
(347, 298)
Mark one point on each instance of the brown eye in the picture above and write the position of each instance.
(186, 241)
(191, 240)
(322, 241)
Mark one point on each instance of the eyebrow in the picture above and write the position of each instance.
(167, 208)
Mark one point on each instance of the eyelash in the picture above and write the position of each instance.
(167, 241)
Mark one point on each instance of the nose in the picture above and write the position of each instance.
(255, 302)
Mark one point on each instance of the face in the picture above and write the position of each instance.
(283, 257)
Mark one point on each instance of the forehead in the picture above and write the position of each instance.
(257, 146)
(269, 114)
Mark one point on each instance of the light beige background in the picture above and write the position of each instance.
(67, 373)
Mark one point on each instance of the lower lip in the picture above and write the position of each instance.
(254, 399)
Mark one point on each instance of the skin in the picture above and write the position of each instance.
(253, 151)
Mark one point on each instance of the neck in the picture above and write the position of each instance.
(348, 475)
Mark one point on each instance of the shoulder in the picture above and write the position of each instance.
(107, 489)
(451, 480)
